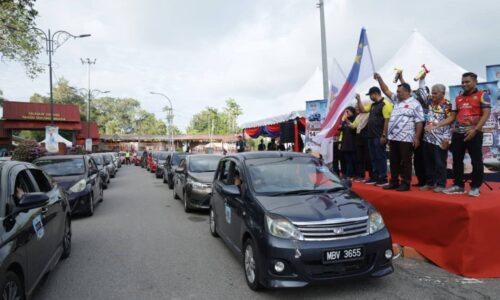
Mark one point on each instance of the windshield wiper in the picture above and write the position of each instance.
(305, 192)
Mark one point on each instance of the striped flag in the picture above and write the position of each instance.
(362, 69)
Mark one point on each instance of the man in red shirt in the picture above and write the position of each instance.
(470, 110)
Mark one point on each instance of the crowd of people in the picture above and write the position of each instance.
(418, 127)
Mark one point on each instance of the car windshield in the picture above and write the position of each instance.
(98, 159)
(176, 159)
(107, 159)
(203, 164)
(62, 167)
(290, 174)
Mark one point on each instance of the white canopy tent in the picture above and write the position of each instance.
(417, 51)
(59, 139)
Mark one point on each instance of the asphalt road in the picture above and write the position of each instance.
(141, 245)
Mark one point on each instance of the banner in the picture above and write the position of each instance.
(88, 144)
(51, 143)
(316, 112)
(493, 73)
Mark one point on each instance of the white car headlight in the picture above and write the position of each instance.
(376, 223)
(198, 185)
(282, 228)
(79, 186)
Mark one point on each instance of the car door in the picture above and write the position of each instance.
(177, 177)
(38, 243)
(183, 177)
(234, 206)
(53, 212)
(223, 220)
(93, 178)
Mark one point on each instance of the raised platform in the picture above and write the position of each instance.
(456, 232)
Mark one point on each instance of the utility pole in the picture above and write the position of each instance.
(324, 60)
(89, 62)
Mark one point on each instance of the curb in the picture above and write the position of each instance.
(408, 252)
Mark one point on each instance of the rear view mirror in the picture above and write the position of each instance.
(33, 200)
(231, 190)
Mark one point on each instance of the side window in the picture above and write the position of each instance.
(182, 164)
(226, 176)
(92, 165)
(41, 179)
(23, 185)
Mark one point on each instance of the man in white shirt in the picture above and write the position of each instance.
(404, 131)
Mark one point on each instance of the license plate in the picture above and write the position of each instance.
(343, 254)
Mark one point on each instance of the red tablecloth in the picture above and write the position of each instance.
(458, 233)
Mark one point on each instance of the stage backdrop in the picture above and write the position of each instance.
(316, 111)
(493, 73)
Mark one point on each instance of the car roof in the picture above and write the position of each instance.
(62, 156)
(205, 155)
(266, 154)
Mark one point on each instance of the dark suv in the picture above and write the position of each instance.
(36, 228)
(293, 222)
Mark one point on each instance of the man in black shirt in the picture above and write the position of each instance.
(272, 145)
(262, 147)
(378, 122)
(240, 145)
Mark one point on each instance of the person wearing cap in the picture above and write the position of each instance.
(378, 121)
(404, 131)
(470, 110)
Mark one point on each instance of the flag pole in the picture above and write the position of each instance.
(324, 61)
(371, 55)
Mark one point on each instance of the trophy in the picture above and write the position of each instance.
(421, 73)
(397, 76)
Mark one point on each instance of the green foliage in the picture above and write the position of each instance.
(18, 39)
(28, 151)
(214, 121)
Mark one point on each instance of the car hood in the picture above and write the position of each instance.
(205, 177)
(316, 207)
(66, 182)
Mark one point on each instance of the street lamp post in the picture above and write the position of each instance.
(170, 118)
(53, 42)
(89, 62)
(324, 61)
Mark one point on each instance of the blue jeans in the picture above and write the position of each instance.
(378, 158)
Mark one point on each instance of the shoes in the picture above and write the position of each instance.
(426, 187)
(474, 192)
(391, 186)
(371, 181)
(359, 179)
(403, 187)
(454, 190)
(418, 184)
(381, 183)
(438, 189)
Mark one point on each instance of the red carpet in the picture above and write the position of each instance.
(458, 233)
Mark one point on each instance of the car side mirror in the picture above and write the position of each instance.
(231, 190)
(93, 172)
(32, 200)
(179, 170)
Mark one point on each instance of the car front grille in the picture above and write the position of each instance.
(333, 229)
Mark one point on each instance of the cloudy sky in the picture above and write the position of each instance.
(260, 52)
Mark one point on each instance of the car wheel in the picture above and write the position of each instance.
(170, 184)
(90, 209)
(187, 206)
(67, 240)
(102, 194)
(213, 223)
(251, 265)
(164, 181)
(12, 288)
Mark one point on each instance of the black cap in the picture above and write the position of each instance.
(374, 89)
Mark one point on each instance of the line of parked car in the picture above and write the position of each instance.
(288, 218)
(37, 203)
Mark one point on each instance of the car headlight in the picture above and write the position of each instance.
(198, 185)
(79, 186)
(282, 228)
(376, 223)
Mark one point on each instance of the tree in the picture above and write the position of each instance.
(18, 38)
(2, 99)
(28, 151)
(213, 121)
